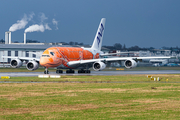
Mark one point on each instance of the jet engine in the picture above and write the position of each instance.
(32, 65)
(130, 63)
(16, 63)
(97, 66)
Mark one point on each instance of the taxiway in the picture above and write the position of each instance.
(28, 74)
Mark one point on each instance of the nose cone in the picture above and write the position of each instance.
(43, 62)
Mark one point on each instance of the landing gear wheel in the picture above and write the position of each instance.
(81, 71)
(84, 71)
(59, 71)
(70, 71)
(46, 72)
(87, 71)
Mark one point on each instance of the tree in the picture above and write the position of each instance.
(32, 41)
(117, 46)
(64, 43)
(151, 48)
(124, 47)
(2, 41)
(81, 43)
(134, 48)
(71, 43)
(76, 43)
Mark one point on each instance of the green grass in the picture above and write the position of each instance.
(97, 79)
(119, 97)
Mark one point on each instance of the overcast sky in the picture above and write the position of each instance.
(146, 23)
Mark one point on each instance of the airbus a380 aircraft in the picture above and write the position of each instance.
(76, 58)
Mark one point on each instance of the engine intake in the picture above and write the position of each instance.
(32, 65)
(130, 63)
(97, 66)
(16, 63)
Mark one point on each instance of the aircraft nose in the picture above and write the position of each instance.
(43, 62)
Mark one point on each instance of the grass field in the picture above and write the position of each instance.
(91, 97)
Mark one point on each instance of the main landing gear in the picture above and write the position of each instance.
(84, 71)
(67, 71)
(59, 71)
(70, 71)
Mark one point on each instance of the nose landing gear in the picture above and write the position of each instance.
(46, 71)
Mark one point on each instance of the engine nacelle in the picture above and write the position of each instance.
(16, 63)
(97, 66)
(130, 63)
(32, 65)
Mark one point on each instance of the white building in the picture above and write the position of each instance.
(21, 50)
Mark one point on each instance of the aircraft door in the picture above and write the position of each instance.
(81, 55)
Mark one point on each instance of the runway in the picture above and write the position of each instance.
(28, 74)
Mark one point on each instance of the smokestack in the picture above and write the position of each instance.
(6, 37)
(9, 37)
(24, 38)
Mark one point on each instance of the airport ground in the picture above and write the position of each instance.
(91, 97)
(108, 71)
(9, 69)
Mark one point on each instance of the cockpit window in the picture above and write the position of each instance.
(45, 56)
(52, 53)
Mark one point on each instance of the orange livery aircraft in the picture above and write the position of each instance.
(76, 58)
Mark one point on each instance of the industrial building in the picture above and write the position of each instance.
(21, 49)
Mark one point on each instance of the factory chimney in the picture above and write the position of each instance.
(6, 37)
(9, 37)
(24, 38)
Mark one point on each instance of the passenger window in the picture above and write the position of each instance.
(52, 53)
(45, 55)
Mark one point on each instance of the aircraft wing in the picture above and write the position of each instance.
(112, 59)
(114, 53)
(22, 58)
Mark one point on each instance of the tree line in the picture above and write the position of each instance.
(27, 41)
(116, 46)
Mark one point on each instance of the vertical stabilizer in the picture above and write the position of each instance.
(99, 35)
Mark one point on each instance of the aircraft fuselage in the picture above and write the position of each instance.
(60, 56)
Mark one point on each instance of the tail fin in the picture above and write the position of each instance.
(99, 35)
